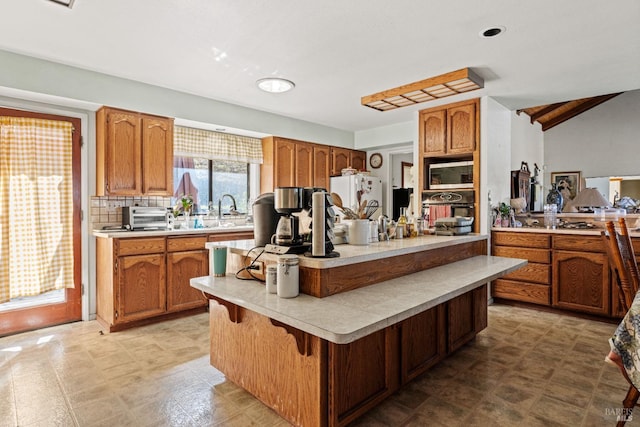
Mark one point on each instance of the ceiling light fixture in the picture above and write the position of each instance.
(492, 32)
(275, 85)
(441, 86)
(66, 3)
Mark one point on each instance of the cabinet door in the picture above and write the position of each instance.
(181, 267)
(304, 165)
(581, 282)
(362, 374)
(157, 156)
(340, 159)
(359, 160)
(423, 342)
(141, 287)
(461, 129)
(284, 163)
(123, 157)
(433, 132)
(321, 166)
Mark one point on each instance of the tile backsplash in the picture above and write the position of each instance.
(107, 211)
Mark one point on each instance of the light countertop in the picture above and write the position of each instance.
(352, 254)
(348, 316)
(578, 231)
(123, 234)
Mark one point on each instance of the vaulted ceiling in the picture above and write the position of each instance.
(551, 115)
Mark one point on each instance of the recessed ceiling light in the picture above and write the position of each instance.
(492, 32)
(275, 85)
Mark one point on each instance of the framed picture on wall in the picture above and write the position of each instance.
(568, 183)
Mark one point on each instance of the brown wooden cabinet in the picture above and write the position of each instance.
(531, 283)
(142, 279)
(362, 374)
(422, 341)
(565, 271)
(321, 166)
(340, 159)
(449, 130)
(135, 285)
(581, 274)
(450, 133)
(344, 158)
(141, 287)
(292, 163)
(336, 383)
(134, 154)
(186, 258)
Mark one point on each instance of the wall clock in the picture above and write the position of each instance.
(375, 160)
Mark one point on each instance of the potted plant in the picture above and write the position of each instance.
(184, 205)
(505, 213)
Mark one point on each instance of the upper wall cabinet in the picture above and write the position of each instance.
(291, 163)
(344, 158)
(134, 154)
(449, 130)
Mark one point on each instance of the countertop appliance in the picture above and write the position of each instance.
(145, 218)
(358, 187)
(451, 175)
(287, 239)
(265, 219)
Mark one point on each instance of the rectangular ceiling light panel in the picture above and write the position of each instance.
(448, 84)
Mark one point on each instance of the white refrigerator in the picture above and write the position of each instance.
(352, 188)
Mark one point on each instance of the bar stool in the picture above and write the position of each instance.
(627, 278)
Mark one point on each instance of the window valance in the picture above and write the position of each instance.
(191, 142)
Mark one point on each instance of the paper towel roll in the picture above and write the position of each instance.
(317, 225)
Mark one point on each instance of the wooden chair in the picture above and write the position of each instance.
(627, 277)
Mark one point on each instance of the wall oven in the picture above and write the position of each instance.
(446, 204)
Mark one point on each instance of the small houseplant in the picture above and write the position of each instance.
(505, 213)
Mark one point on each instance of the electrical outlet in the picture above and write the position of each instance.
(260, 267)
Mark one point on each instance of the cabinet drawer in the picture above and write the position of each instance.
(525, 240)
(532, 255)
(532, 272)
(579, 243)
(520, 291)
(139, 246)
(177, 244)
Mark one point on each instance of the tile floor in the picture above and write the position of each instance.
(528, 368)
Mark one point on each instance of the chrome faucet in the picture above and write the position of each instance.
(234, 207)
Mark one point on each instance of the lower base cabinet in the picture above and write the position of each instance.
(141, 287)
(186, 258)
(581, 282)
(334, 384)
(565, 271)
(141, 279)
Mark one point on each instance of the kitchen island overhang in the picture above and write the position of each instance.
(327, 361)
(348, 316)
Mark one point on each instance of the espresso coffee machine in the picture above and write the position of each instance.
(287, 238)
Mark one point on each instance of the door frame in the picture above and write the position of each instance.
(19, 320)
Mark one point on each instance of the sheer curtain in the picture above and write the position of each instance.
(36, 196)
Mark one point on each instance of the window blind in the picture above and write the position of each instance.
(191, 142)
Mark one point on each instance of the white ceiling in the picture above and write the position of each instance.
(337, 51)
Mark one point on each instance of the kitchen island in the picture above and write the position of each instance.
(327, 361)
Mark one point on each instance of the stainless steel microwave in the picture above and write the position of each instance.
(444, 176)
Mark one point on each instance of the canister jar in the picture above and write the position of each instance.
(288, 276)
(272, 279)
